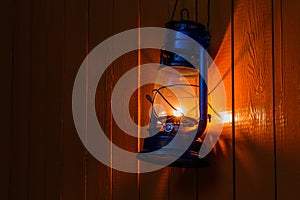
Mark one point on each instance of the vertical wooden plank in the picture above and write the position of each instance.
(74, 153)
(287, 96)
(37, 101)
(155, 13)
(6, 41)
(99, 176)
(21, 101)
(183, 183)
(216, 180)
(253, 90)
(125, 17)
(55, 61)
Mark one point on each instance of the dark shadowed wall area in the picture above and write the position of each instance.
(255, 44)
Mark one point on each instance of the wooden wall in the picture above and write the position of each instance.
(255, 44)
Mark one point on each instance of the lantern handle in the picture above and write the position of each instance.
(149, 99)
(157, 90)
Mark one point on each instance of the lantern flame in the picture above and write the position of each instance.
(178, 112)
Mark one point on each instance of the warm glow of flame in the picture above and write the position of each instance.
(226, 117)
(178, 112)
(163, 113)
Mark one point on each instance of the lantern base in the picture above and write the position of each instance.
(189, 159)
(182, 162)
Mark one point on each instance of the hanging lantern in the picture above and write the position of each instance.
(181, 99)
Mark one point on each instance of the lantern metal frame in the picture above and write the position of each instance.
(165, 128)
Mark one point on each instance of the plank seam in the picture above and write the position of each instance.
(233, 101)
(274, 95)
(12, 95)
(30, 104)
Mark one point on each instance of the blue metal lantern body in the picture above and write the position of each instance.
(166, 118)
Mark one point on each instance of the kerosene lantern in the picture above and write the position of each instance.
(181, 98)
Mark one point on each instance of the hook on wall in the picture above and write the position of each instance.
(187, 13)
(196, 12)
